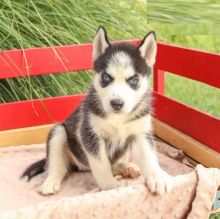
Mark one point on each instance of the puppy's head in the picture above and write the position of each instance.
(122, 71)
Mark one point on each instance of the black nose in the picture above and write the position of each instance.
(117, 104)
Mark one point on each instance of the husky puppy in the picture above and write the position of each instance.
(112, 121)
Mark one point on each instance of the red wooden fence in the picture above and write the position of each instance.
(193, 64)
(196, 65)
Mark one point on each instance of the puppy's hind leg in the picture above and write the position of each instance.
(126, 169)
(57, 160)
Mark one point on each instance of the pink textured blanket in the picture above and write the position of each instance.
(194, 190)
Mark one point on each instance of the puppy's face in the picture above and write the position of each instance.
(121, 78)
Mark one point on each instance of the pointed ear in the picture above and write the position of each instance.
(148, 48)
(100, 43)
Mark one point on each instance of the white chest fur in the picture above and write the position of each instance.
(117, 129)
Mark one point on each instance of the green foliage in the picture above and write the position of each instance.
(215, 216)
(195, 94)
(184, 11)
(28, 23)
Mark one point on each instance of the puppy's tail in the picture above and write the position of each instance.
(33, 170)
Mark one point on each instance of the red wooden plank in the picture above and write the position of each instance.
(194, 64)
(37, 112)
(38, 61)
(197, 65)
(159, 83)
(200, 126)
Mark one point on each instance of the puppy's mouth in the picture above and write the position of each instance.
(117, 111)
(121, 111)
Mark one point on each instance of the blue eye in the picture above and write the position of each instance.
(105, 79)
(133, 81)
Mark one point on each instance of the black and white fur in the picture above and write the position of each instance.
(113, 121)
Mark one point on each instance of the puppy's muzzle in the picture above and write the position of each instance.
(117, 104)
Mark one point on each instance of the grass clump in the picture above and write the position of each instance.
(184, 11)
(27, 23)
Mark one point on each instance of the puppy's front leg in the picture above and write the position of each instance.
(101, 169)
(157, 180)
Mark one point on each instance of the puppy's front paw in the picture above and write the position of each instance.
(159, 182)
(50, 186)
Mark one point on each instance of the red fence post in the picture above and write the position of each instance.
(159, 82)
